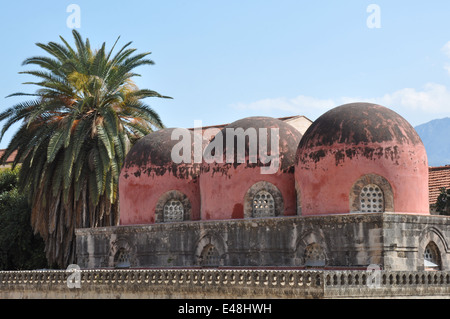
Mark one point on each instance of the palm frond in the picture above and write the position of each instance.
(75, 134)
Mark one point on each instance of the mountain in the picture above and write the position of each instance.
(435, 136)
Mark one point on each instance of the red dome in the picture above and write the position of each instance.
(149, 179)
(225, 185)
(361, 144)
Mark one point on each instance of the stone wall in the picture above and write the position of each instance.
(406, 236)
(393, 241)
(221, 283)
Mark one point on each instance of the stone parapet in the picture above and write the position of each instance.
(222, 283)
(389, 284)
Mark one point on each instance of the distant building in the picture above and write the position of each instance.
(9, 160)
(439, 177)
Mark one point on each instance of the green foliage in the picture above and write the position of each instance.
(74, 137)
(443, 202)
(20, 249)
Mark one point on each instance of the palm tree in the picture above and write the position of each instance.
(74, 136)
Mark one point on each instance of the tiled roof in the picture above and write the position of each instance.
(10, 158)
(438, 177)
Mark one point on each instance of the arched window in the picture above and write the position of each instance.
(371, 193)
(263, 205)
(432, 257)
(314, 255)
(122, 259)
(263, 199)
(210, 256)
(371, 199)
(173, 211)
(173, 206)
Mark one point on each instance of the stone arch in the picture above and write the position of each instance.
(122, 254)
(372, 180)
(176, 197)
(310, 245)
(259, 188)
(207, 244)
(432, 255)
(432, 235)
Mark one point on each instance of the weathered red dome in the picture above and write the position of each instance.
(359, 123)
(226, 182)
(357, 144)
(288, 138)
(150, 178)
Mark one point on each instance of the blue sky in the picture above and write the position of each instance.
(225, 60)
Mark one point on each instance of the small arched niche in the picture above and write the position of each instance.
(432, 257)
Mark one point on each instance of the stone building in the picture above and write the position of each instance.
(349, 192)
(9, 160)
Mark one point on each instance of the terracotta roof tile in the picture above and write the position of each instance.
(438, 177)
(10, 158)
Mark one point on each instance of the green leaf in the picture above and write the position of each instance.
(104, 138)
(55, 144)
